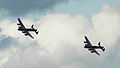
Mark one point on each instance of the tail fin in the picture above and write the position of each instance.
(99, 44)
(32, 27)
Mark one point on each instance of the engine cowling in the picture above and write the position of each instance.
(18, 24)
(23, 32)
(26, 34)
(85, 42)
(92, 51)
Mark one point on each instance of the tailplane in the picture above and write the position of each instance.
(103, 49)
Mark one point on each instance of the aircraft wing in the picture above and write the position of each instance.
(87, 41)
(21, 24)
(94, 51)
(30, 35)
(26, 32)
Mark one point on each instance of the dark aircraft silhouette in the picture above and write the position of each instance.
(91, 48)
(25, 30)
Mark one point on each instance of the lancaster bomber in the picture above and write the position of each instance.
(25, 30)
(92, 48)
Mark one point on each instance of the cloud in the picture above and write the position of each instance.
(6, 41)
(60, 41)
(21, 7)
(3, 14)
(106, 24)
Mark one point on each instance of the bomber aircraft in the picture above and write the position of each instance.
(92, 48)
(25, 30)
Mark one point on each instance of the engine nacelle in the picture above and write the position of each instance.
(23, 32)
(26, 34)
(18, 24)
(92, 51)
(85, 42)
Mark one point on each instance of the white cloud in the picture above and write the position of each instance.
(106, 25)
(60, 41)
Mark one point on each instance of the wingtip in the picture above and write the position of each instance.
(85, 36)
(18, 19)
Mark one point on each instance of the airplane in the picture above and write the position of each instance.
(25, 30)
(92, 48)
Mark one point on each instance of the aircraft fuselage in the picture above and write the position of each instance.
(96, 47)
(27, 29)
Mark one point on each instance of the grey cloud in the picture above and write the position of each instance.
(22, 7)
(6, 42)
(0, 29)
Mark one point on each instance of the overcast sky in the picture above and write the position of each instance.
(62, 25)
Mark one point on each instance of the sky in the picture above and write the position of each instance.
(62, 25)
